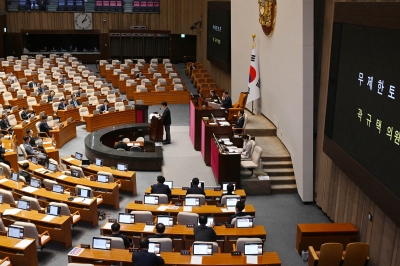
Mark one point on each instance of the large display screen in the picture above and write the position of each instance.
(364, 99)
(219, 34)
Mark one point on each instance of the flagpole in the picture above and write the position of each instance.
(252, 47)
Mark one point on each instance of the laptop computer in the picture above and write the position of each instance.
(15, 231)
(148, 199)
(99, 162)
(102, 178)
(245, 222)
(52, 167)
(84, 193)
(101, 243)
(253, 249)
(202, 249)
(24, 205)
(53, 210)
(122, 166)
(169, 184)
(154, 247)
(165, 220)
(126, 218)
(35, 183)
(85, 163)
(201, 183)
(58, 188)
(210, 221)
(78, 156)
(192, 201)
(14, 177)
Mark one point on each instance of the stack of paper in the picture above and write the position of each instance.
(148, 228)
(162, 208)
(11, 211)
(187, 208)
(29, 189)
(23, 243)
(48, 218)
(69, 159)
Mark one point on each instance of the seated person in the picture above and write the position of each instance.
(44, 127)
(4, 124)
(41, 89)
(51, 96)
(63, 80)
(143, 257)
(195, 189)
(11, 78)
(246, 151)
(32, 151)
(160, 229)
(62, 105)
(229, 191)
(239, 211)
(239, 122)
(24, 172)
(104, 108)
(203, 232)
(25, 115)
(115, 233)
(121, 144)
(74, 101)
(32, 84)
(226, 100)
(33, 140)
(160, 188)
(79, 92)
(140, 75)
(214, 96)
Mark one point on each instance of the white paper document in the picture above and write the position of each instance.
(29, 189)
(46, 142)
(61, 176)
(187, 208)
(196, 260)
(224, 123)
(251, 259)
(49, 148)
(231, 209)
(11, 211)
(40, 170)
(78, 199)
(24, 243)
(107, 226)
(87, 201)
(3, 180)
(23, 161)
(69, 159)
(48, 218)
(148, 228)
(162, 208)
(224, 210)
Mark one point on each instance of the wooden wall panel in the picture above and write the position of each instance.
(335, 193)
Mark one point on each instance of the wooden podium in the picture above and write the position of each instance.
(156, 129)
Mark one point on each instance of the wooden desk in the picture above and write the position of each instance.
(171, 258)
(109, 191)
(12, 154)
(47, 108)
(18, 102)
(207, 131)
(110, 119)
(65, 134)
(127, 178)
(213, 210)
(183, 237)
(73, 113)
(18, 256)
(210, 193)
(317, 234)
(196, 113)
(156, 97)
(20, 130)
(59, 227)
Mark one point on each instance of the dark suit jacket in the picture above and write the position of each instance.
(227, 103)
(215, 97)
(50, 98)
(166, 116)
(40, 90)
(24, 116)
(4, 124)
(104, 108)
(26, 175)
(238, 214)
(144, 258)
(62, 106)
(126, 241)
(239, 124)
(121, 145)
(195, 190)
(75, 103)
(44, 127)
(160, 189)
(204, 233)
(32, 84)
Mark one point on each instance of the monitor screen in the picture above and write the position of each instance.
(101, 243)
(201, 184)
(14, 177)
(35, 183)
(75, 173)
(253, 249)
(231, 202)
(169, 184)
(52, 167)
(54, 210)
(192, 201)
(99, 162)
(58, 188)
(151, 199)
(210, 221)
(78, 156)
(225, 185)
(122, 166)
(165, 220)
(102, 178)
(202, 249)
(154, 247)
(84, 193)
(24, 205)
(245, 222)
(34, 160)
(1, 198)
(126, 218)
(16, 231)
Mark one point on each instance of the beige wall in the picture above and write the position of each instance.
(286, 63)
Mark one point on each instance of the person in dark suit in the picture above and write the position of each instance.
(143, 257)
(31, 151)
(62, 105)
(74, 101)
(203, 232)
(226, 100)
(33, 140)
(167, 122)
(121, 144)
(32, 84)
(24, 172)
(160, 188)
(63, 80)
(41, 89)
(104, 108)
(51, 96)
(214, 96)
(24, 114)
(140, 75)
(192, 66)
(44, 127)
(195, 189)
(4, 124)
(115, 233)
(229, 191)
(239, 122)
(239, 211)
(79, 92)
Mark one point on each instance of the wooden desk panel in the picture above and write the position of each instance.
(127, 178)
(225, 166)
(317, 234)
(74, 113)
(18, 256)
(46, 108)
(207, 132)
(12, 154)
(18, 102)
(65, 134)
(156, 97)
(210, 193)
(172, 258)
(20, 130)
(110, 119)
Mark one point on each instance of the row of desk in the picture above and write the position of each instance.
(156, 97)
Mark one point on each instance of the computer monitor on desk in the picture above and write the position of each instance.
(126, 218)
(15, 231)
(78, 156)
(202, 249)
(101, 243)
(201, 183)
(148, 199)
(154, 247)
(165, 220)
(35, 183)
(99, 162)
(253, 249)
(169, 184)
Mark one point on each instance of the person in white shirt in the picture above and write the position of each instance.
(12, 79)
(246, 152)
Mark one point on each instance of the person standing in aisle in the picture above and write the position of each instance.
(166, 116)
